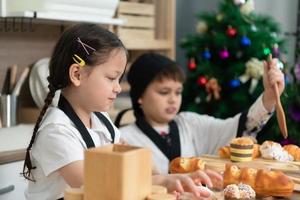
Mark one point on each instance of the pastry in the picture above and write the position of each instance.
(293, 150)
(241, 149)
(224, 152)
(273, 183)
(240, 191)
(264, 182)
(256, 152)
(273, 150)
(186, 165)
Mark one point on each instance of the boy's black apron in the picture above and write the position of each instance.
(170, 149)
(66, 107)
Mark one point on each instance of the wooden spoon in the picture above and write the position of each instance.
(279, 110)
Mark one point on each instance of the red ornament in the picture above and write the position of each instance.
(231, 32)
(192, 64)
(201, 81)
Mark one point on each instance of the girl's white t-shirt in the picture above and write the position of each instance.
(58, 144)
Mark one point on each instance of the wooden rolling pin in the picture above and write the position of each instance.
(279, 110)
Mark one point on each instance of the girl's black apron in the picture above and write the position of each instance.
(66, 107)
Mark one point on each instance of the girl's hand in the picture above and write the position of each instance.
(272, 75)
(192, 182)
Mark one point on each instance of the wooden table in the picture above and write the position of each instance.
(295, 196)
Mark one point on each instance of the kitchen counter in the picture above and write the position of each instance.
(14, 141)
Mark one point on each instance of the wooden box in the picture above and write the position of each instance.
(117, 172)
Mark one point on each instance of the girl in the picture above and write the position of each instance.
(86, 65)
(156, 84)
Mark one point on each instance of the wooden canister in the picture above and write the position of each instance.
(73, 194)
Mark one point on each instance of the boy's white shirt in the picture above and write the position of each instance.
(199, 134)
(59, 143)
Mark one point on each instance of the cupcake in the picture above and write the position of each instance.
(241, 149)
(239, 192)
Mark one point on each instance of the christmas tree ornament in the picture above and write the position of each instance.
(231, 32)
(201, 81)
(245, 41)
(192, 64)
(224, 54)
(239, 2)
(206, 54)
(201, 27)
(235, 83)
(239, 54)
(275, 51)
(219, 17)
(197, 100)
(247, 7)
(297, 72)
(266, 51)
(254, 72)
(274, 35)
(213, 89)
(253, 28)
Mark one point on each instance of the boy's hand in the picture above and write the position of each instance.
(272, 75)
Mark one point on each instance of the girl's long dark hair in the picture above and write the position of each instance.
(72, 42)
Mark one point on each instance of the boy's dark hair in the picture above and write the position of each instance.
(147, 68)
(75, 40)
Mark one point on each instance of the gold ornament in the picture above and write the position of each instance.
(254, 71)
(247, 7)
(219, 17)
(201, 27)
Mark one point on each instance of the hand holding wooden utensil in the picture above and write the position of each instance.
(279, 110)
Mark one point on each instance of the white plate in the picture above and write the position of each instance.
(38, 82)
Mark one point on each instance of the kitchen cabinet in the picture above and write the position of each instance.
(13, 142)
(12, 184)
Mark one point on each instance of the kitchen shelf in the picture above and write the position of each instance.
(66, 17)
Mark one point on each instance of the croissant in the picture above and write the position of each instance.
(186, 165)
(264, 182)
(293, 150)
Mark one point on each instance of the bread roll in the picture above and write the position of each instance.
(264, 182)
(224, 152)
(256, 152)
(186, 165)
(293, 150)
(273, 183)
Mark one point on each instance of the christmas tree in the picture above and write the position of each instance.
(225, 58)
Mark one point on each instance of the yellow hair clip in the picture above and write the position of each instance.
(78, 60)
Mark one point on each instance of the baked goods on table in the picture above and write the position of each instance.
(273, 150)
(186, 165)
(241, 149)
(224, 152)
(264, 182)
(293, 150)
(240, 191)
